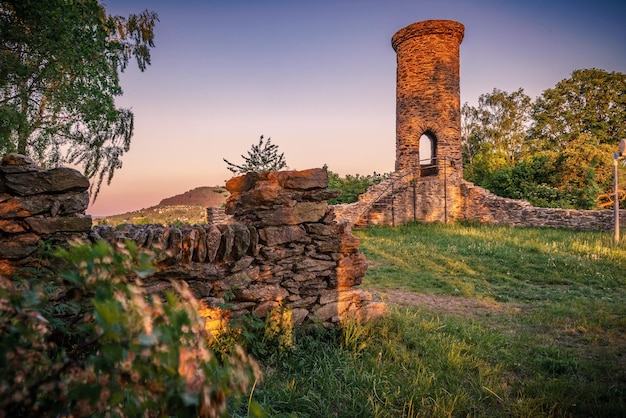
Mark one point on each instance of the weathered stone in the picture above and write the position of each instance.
(262, 292)
(277, 235)
(175, 244)
(242, 264)
(244, 183)
(213, 240)
(275, 254)
(326, 312)
(13, 208)
(255, 269)
(263, 308)
(314, 178)
(349, 295)
(319, 195)
(18, 163)
(231, 283)
(226, 242)
(300, 212)
(48, 226)
(253, 250)
(241, 240)
(11, 226)
(188, 244)
(298, 315)
(56, 180)
(329, 244)
(311, 265)
(18, 246)
(302, 302)
(320, 229)
(350, 270)
(200, 250)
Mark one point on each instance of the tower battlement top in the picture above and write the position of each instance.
(429, 27)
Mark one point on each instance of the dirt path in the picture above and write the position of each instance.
(456, 305)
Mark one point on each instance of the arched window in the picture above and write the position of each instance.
(428, 154)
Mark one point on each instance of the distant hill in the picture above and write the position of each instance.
(201, 196)
(189, 207)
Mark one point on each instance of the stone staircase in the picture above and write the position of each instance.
(377, 196)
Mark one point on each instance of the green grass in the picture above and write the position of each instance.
(557, 346)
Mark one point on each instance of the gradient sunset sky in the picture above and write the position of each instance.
(318, 77)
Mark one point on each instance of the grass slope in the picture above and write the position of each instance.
(550, 339)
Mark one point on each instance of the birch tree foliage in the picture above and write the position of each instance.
(60, 63)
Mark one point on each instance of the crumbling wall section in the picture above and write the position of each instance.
(39, 210)
(281, 246)
(481, 205)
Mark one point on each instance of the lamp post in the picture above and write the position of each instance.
(616, 157)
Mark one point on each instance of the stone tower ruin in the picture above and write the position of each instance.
(429, 166)
(428, 184)
(428, 109)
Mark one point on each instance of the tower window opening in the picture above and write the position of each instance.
(428, 154)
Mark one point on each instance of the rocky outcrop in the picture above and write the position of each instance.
(38, 208)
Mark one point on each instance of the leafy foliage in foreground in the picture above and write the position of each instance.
(102, 347)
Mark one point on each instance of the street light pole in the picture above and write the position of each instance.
(616, 199)
(616, 157)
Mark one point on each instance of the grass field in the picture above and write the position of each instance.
(538, 329)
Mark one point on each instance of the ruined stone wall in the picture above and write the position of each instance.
(281, 246)
(483, 206)
(428, 92)
(38, 209)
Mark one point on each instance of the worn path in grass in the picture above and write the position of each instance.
(456, 305)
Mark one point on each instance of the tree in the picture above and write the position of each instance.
(582, 118)
(351, 186)
(591, 102)
(59, 75)
(262, 157)
(494, 134)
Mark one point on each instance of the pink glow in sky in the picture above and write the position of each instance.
(318, 77)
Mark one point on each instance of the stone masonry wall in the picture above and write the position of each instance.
(428, 92)
(38, 208)
(481, 205)
(282, 245)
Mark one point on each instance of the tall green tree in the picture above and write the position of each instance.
(60, 62)
(263, 156)
(591, 102)
(494, 133)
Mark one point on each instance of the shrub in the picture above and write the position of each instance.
(94, 344)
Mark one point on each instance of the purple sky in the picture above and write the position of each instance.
(318, 77)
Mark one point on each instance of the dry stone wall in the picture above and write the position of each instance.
(281, 246)
(480, 205)
(38, 208)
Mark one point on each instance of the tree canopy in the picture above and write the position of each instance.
(263, 156)
(555, 151)
(59, 76)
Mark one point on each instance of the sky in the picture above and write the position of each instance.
(318, 77)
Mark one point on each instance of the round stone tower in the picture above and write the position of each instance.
(428, 102)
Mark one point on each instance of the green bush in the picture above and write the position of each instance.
(351, 186)
(94, 344)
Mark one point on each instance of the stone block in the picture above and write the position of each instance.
(47, 226)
